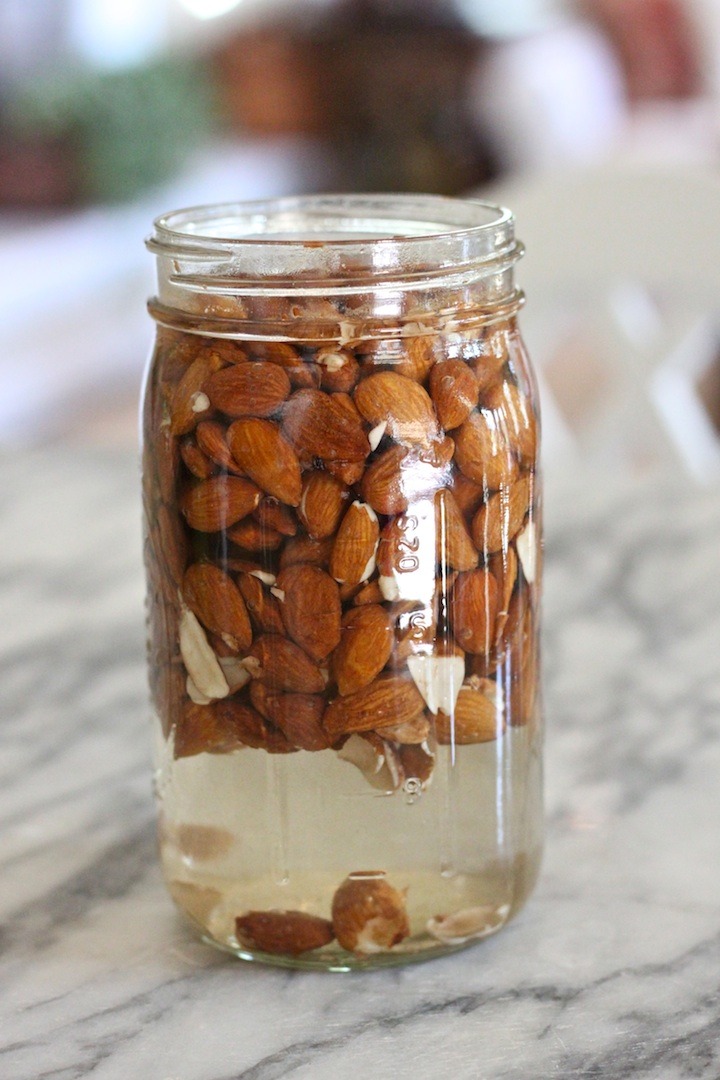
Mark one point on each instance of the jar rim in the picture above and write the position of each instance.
(310, 234)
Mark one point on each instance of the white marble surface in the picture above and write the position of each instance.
(612, 970)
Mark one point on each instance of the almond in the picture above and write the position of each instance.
(170, 540)
(299, 718)
(401, 403)
(467, 924)
(500, 518)
(198, 463)
(252, 536)
(474, 606)
(339, 370)
(284, 666)
(453, 543)
(515, 415)
(272, 514)
(368, 594)
(411, 357)
(411, 733)
(388, 701)
(219, 502)
(483, 452)
(260, 450)
(216, 600)
(262, 607)
(323, 502)
(368, 914)
(211, 438)
(364, 649)
(281, 933)
(386, 480)
(528, 550)
(468, 495)
(353, 553)
(310, 608)
(202, 729)
(454, 391)
(477, 717)
(254, 389)
(304, 549)
(314, 422)
(251, 729)
(438, 678)
(504, 566)
(189, 401)
(347, 472)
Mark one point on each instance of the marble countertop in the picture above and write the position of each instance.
(611, 971)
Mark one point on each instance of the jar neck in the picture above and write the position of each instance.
(335, 266)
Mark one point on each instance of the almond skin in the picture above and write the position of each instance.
(303, 549)
(323, 502)
(454, 544)
(281, 933)
(474, 606)
(252, 536)
(401, 403)
(314, 423)
(483, 452)
(261, 452)
(217, 602)
(272, 514)
(368, 914)
(310, 608)
(253, 389)
(454, 391)
(219, 502)
(500, 518)
(364, 649)
(353, 553)
(284, 666)
(387, 701)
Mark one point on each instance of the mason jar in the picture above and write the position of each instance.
(343, 550)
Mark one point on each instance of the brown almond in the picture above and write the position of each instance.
(504, 566)
(339, 370)
(261, 452)
(257, 388)
(468, 495)
(368, 914)
(401, 403)
(196, 462)
(500, 518)
(190, 402)
(211, 438)
(281, 933)
(385, 480)
(273, 514)
(252, 536)
(323, 502)
(262, 606)
(353, 553)
(476, 717)
(387, 701)
(285, 666)
(368, 594)
(217, 602)
(365, 646)
(313, 422)
(473, 607)
(454, 544)
(220, 728)
(483, 452)
(454, 391)
(310, 608)
(304, 549)
(299, 718)
(219, 502)
(516, 417)
(347, 472)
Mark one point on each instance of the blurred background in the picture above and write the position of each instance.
(597, 121)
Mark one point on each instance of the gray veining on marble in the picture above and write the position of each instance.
(613, 969)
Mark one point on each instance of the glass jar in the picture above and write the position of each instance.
(342, 513)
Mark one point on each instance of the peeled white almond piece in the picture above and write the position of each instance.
(438, 678)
